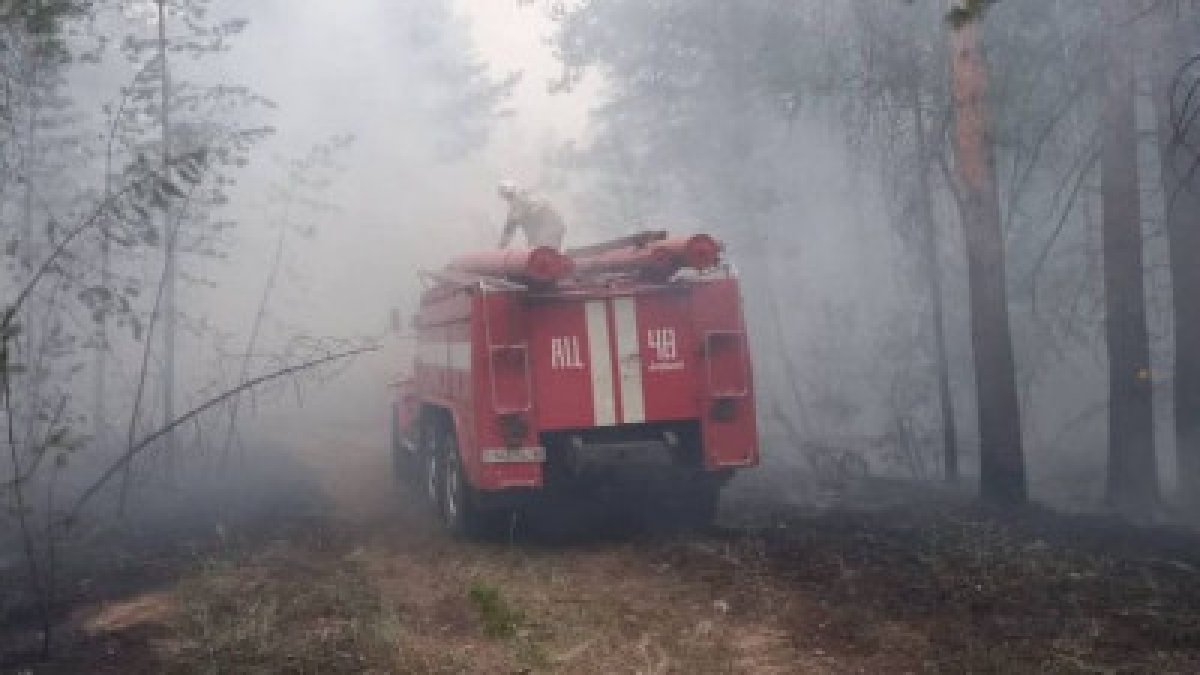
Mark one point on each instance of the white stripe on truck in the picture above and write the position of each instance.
(629, 358)
(604, 404)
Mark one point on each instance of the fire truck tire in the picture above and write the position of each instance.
(432, 478)
(460, 515)
(401, 458)
(426, 465)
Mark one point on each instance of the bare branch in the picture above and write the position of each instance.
(1068, 209)
(211, 403)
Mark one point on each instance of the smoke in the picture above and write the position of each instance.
(439, 101)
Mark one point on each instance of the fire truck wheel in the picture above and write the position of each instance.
(426, 471)
(400, 456)
(432, 474)
(459, 513)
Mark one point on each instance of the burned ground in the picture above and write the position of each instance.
(359, 579)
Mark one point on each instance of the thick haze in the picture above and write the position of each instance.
(785, 129)
(351, 68)
(963, 232)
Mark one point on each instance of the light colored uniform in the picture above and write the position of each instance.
(536, 218)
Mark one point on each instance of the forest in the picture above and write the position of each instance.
(965, 231)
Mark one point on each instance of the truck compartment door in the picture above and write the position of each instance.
(572, 364)
(667, 358)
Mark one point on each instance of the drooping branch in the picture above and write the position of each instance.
(120, 463)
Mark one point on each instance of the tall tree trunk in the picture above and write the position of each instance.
(933, 281)
(171, 243)
(1002, 458)
(1132, 469)
(100, 391)
(1178, 155)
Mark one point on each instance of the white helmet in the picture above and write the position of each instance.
(507, 189)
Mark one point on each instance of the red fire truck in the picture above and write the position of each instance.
(540, 374)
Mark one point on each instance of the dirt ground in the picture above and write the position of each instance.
(929, 583)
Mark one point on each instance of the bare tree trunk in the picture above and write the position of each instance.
(933, 280)
(1179, 153)
(1002, 459)
(33, 335)
(18, 489)
(100, 394)
(260, 316)
(1132, 469)
(156, 313)
(99, 405)
(170, 239)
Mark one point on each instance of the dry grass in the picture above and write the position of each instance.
(984, 592)
(284, 610)
(916, 586)
(929, 589)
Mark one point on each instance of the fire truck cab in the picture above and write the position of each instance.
(542, 374)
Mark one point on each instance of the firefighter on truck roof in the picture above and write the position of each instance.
(533, 215)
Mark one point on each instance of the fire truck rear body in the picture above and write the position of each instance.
(603, 374)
